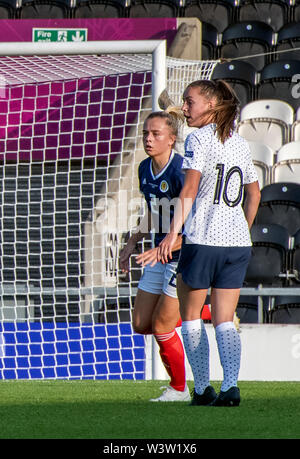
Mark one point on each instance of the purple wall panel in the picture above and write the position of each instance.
(90, 122)
(98, 29)
(51, 121)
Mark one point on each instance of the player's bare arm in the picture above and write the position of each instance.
(142, 230)
(152, 256)
(182, 209)
(252, 199)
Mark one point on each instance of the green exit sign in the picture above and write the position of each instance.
(59, 35)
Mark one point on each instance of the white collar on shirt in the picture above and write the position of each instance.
(164, 169)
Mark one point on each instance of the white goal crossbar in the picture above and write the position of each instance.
(157, 48)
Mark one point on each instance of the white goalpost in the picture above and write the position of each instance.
(70, 143)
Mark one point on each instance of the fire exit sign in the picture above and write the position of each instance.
(58, 35)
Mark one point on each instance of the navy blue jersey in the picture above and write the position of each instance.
(160, 192)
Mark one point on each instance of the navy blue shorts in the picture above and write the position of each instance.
(204, 266)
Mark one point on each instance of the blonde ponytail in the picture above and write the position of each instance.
(172, 115)
(175, 111)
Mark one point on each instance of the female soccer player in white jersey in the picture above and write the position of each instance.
(156, 307)
(216, 245)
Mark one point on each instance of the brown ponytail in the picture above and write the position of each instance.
(226, 109)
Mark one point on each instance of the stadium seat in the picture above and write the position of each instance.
(295, 11)
(220, 14)
(287, 166)
(100, 9)
(154, 8)
(295, 130)
(209, 41)
(288, 41)
(295, 257)
(273, 109)
(263, 159)
(267, 121)
(45, 9)
(286, 310)
(242, 77)
(280, 204)
(277, 81)
(8, 9)
(276, 13)
(247, 309)
(268, 263)
(246, 39)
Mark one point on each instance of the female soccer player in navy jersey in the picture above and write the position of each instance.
(156, 307)
(217, 206)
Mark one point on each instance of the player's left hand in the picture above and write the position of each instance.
(124, 257)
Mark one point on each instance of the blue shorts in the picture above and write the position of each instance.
(204, 266)
(161, 278)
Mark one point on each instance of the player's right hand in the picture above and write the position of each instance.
(166, 246)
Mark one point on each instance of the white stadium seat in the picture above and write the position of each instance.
(287, 166)
(267, 121)
(295, 135)
(263, 159)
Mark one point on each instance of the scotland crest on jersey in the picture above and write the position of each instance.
(164, 186)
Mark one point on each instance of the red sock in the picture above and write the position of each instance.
(172, 355)
(179, 323)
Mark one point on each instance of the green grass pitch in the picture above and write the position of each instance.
(121, 410)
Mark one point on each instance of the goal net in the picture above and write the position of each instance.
(70, 145)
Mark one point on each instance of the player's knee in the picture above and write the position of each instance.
(141, 328)
(159, 327)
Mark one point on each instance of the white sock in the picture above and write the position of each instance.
(197, 350)
(229, 346)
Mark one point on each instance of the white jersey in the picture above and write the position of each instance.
(217, 217)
